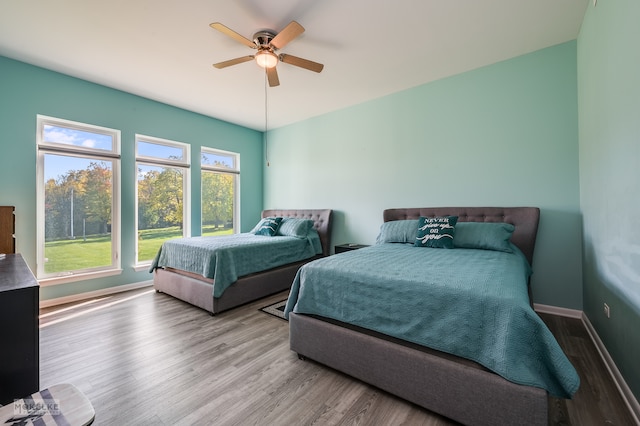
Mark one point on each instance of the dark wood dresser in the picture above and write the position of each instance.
(19, 337)
(7, 229)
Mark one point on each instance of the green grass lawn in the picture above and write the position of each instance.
(95, 251)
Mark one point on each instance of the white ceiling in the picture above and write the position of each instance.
(164, 49)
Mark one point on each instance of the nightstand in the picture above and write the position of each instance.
(341, 248)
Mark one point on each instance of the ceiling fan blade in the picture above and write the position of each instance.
(235, 61)
(302, 63)
(234, 35)
(287, 34)
(272, 76)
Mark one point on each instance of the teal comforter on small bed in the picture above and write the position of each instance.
(466, 302)
(226, 258)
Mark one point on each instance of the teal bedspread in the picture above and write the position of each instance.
(466, 302)
(226, 258)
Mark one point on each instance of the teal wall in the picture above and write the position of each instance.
(26, 91)
(609, 122)
(502, 135)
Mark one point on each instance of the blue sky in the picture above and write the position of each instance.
(64, 135)
(59, 165)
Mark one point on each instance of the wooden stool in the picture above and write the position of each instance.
(61, 404)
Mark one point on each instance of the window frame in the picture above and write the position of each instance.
(184, 165)
(112, 156)
(206, 168)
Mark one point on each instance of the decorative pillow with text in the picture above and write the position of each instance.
(269, 226)
(436, 232)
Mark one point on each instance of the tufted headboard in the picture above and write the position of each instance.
(525, 219)
(322, 221)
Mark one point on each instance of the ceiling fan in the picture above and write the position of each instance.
(267, 43)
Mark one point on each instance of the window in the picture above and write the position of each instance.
(162, 194)
(220, 175)
(78, 200)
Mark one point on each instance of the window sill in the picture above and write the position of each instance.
(142, 267)
(44, 282)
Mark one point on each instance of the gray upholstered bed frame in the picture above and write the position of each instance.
(454, 387)
(198, 291)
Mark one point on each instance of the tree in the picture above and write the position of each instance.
(86, 192)
(217, 198)
(97, 196)
(160, 197)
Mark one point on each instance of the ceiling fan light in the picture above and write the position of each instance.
(266, 59)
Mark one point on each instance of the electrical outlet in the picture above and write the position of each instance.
(607, 310)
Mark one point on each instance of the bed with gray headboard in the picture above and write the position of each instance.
(458, 387)
(198, 290)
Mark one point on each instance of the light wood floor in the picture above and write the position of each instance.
(148, 359)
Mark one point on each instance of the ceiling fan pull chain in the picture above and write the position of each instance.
(266, 119)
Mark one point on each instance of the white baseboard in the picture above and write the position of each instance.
(618, 380)
(91, 294)
(621, 384)
(555, 310)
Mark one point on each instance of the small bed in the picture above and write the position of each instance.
(194, 282)
(431, 338)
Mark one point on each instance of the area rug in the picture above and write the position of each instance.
(277, 309)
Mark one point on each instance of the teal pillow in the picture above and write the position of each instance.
(436, 232)
(484, 235)
(294, 227)
(398, 231)
(269, 226)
